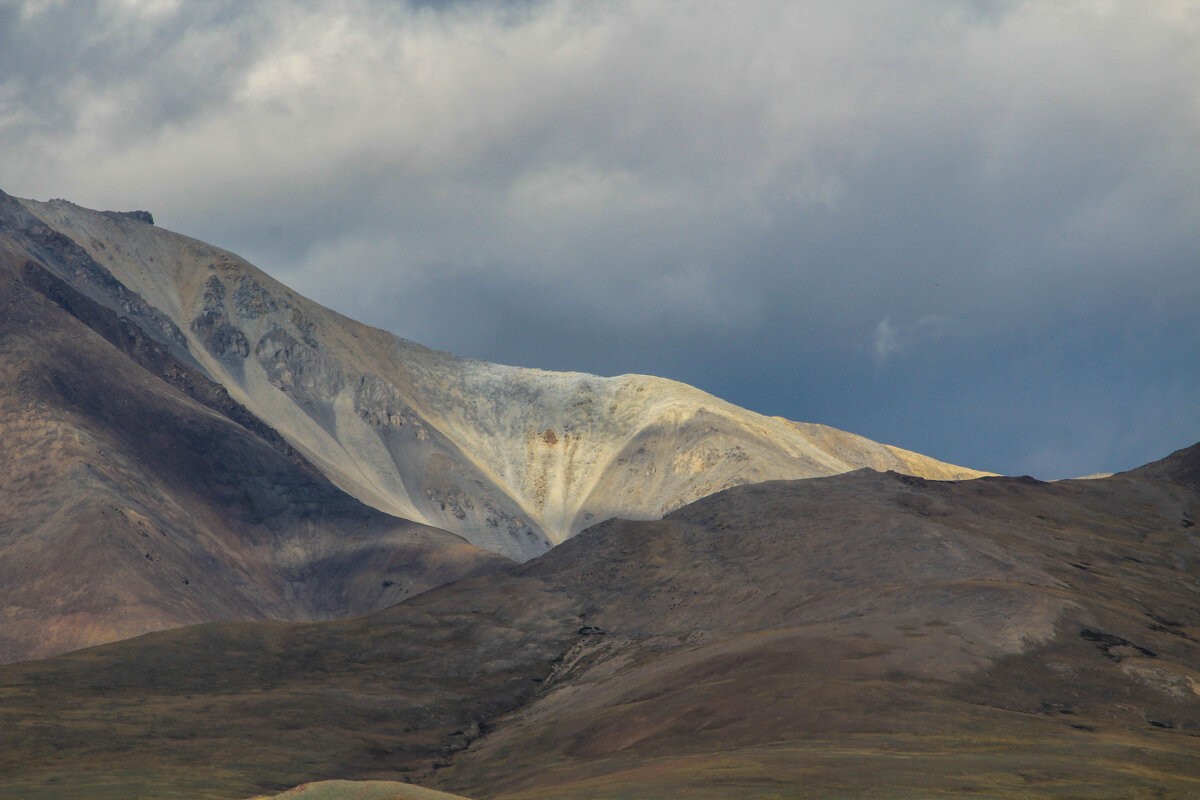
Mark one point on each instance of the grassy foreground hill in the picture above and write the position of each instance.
(864, 635)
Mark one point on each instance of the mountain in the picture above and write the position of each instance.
(866, 634)
(514, 460)
(138, 496)
(183, 439)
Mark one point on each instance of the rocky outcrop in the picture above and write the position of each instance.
(138, 216)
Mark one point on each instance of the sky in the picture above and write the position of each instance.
(969, 229)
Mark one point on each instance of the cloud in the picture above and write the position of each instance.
(728, 194)
(886, 341)
(890, 339)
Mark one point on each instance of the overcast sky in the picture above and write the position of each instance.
(967, 229)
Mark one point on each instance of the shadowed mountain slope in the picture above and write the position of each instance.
(138, 496)
(515, 460)
(878, 634)
(869, 634)
(1181, 467)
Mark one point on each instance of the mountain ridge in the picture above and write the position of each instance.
(514, 459)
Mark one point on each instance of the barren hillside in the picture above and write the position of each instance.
(515, 460)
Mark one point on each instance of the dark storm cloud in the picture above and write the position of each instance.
(967, 229)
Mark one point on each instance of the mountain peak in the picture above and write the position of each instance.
(455, 443)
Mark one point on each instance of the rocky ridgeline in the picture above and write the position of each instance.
(515, 460)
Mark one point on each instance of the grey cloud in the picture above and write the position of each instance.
(763, 199)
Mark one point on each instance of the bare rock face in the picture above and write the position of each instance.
(139, 215)
(515, 460)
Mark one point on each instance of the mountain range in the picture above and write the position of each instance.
(314, 555)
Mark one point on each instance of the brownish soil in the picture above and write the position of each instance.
(867, 635)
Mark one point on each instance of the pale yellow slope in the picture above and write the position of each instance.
(359, 790)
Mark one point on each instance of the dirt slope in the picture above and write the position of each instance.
(860, 635)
